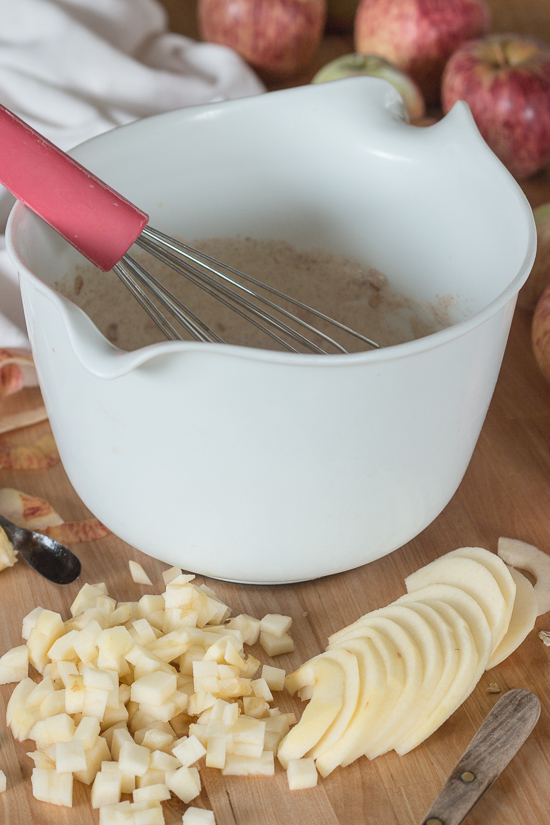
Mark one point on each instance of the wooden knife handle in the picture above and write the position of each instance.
(497, 741)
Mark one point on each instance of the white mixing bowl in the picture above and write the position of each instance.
(260, 466)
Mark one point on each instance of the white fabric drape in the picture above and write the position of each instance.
(75, 68)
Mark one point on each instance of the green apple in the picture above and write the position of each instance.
(352, 65)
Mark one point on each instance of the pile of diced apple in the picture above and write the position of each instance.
(134, 694)
(390, 679)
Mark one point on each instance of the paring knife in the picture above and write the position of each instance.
(497, 741)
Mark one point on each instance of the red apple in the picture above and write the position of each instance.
(276, 37)
(418, 36)
(350, 65)
(505, 79)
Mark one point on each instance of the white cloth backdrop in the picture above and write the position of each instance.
(75, 68)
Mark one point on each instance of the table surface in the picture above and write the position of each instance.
(506, 491)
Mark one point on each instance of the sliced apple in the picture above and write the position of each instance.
(320, 712)
(528, 557)
(414, 671)
(433, 692)
(522, 621)
(374, 694)
(464, 604)
(473, 578)
(347, 659)
(500, 571)
(446, 700)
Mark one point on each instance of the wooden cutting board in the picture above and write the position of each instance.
(506, 491)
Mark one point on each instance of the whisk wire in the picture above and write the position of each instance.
(235, 302)
(143, 299)
(191, 322)
(181, 249)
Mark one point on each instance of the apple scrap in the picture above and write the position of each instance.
(35, 513)
(38, 456)
(390, 679)
(134, 694)
(16, 372)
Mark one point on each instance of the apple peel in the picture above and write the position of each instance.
(75, 532)
(16, 370)
(38, 456)
(35, 513)
(525, 556)
(27, 511)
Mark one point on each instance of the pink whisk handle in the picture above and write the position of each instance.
(90, 215)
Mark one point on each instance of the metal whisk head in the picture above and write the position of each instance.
(236, 290)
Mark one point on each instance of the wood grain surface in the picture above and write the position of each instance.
(505, 492)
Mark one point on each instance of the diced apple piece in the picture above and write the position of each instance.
(134, 758)
(30, 621)
(66, 670)
(248, 626)
(170, 574)
(87, 731)
(69, 756)
(301, 773)
(185, 783)
(85, 598)
(42, 760)
(119, 737)
(152, 793)
(261, 688)
(54, 704)
(255, 706)
(128, 780)
(276, 645)
(146, 633)
(14, 665)
(63, 647)
(155, 739)
(59, 728)
(161, 761)
(98, 753)
(114, 642)
(198, 816)
(154, 688)
(119, 814)
(95, 702)
(138, 574)
(216, 752)
(150, 777)
(50, 786)
(189, 751)
(275, 624)
(3, 781)
(8, 553)
(106, 789)
(75, 693)
(274, 677)
(236, 765)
